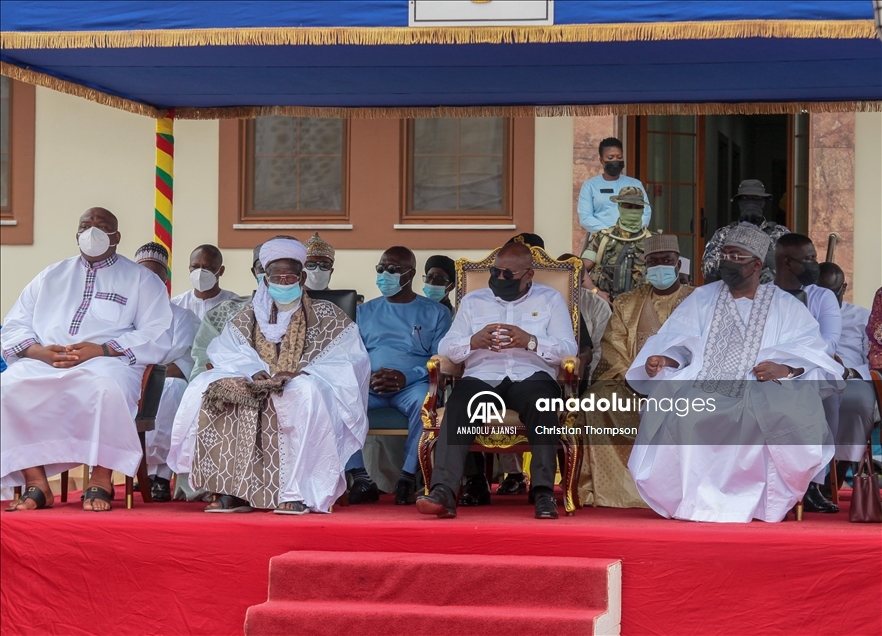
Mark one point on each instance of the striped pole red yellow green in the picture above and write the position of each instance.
(165, 176)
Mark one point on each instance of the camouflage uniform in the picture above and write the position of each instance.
(710, 262)
(619, 265)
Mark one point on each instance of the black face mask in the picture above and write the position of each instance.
(613, 168)
(731, 274)
(507, 290)
(751, 211)
(811, 271)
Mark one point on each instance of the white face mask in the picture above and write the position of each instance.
(93, 242)
(203, 279)
(317, 279)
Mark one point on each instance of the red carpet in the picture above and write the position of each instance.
(171, 569)
(394, 593)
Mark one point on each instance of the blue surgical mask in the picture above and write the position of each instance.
(389, 284)
(435, 292)
(285, 294)
(661, 276)
(260, 278)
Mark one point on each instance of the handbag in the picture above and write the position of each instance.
(866, 504)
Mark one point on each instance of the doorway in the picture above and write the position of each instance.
(691, 166)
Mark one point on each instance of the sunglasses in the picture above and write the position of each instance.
(737, 258)
(313, 265)
(435, 280)
(507, 274)
(392, 269)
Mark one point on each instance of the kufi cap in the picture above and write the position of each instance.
(316, 246)
(749, 237)
(661, 243)
(277, 249)
(630, 194)
(152, 252)
(753, 188)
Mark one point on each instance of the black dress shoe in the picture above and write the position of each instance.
(363, 491)
(814, 501)
(160, 489)
(513, 484)
(439, 502)
(476, 492)
(546, 506)
(405, 492)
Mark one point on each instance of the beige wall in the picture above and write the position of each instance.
(867, 207)
(89, 155)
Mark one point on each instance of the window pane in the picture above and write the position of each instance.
(4, 141)
(435, 181)
(683, 123)
(458, 164)
(297, 164)
(683, 159)
(659, 200)
(682, 208)
(658, 158)
(659, 123)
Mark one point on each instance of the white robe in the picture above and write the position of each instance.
(322, 415)
(182, 333)
(61, 418)
(784, 425)
(200, 307)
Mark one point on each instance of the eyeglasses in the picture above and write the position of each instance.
(507, 274)
(313, 265)
(736, 258)
(284, 279)
(392, 269)
(436, 280)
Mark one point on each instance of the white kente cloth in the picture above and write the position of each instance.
(322, 414)
(182, 333)
(61, 418)
(768, 439)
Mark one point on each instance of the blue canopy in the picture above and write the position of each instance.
(236, 58)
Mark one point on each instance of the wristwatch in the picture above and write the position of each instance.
(531, 346)
(791, 372)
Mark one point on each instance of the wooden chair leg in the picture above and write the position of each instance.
(16, 493)
(64, 479)
(130, 496)
(86, 476)
(834, 482)
(799, 510)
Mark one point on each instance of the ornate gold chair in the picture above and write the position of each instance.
(471, 275)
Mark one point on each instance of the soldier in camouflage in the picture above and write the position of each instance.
(751, 198)
(614, 256)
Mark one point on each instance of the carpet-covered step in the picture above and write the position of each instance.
(443, 593)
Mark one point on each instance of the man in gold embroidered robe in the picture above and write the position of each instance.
(273, 423)
(637, 315)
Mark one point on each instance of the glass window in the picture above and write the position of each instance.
(458, 166)
(295, 167)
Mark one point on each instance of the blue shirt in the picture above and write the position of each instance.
(596, 211)
(402, 336)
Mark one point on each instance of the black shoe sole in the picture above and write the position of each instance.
(428, 507)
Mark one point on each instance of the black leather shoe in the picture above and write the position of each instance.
(476, 492)
(405, 492)
(363, 491)
(513, 484)
(160, 489)
(439, 502)
(546, 506)
(814, 501)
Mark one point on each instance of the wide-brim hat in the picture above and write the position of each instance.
(630, 194)
(752, 188)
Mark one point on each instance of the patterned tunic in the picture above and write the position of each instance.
(874, 332)
(710, 262)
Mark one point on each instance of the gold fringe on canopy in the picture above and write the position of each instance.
(370, 36)
(249, 112)
(41, 79)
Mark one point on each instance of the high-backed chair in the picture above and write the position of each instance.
(152, 383)
(471, 275)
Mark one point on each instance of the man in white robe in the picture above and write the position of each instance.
(77, 342)
(740, 344)
(206, 269)
(308, 359)
(179, 364)
(855, 414)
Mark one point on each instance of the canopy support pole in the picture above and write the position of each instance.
(164, 187)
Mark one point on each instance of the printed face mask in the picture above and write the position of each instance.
(317, 279)
(661, 276)
(203, 279)
(285, 294)
(93, 242)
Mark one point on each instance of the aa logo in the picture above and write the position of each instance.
(485, 412)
